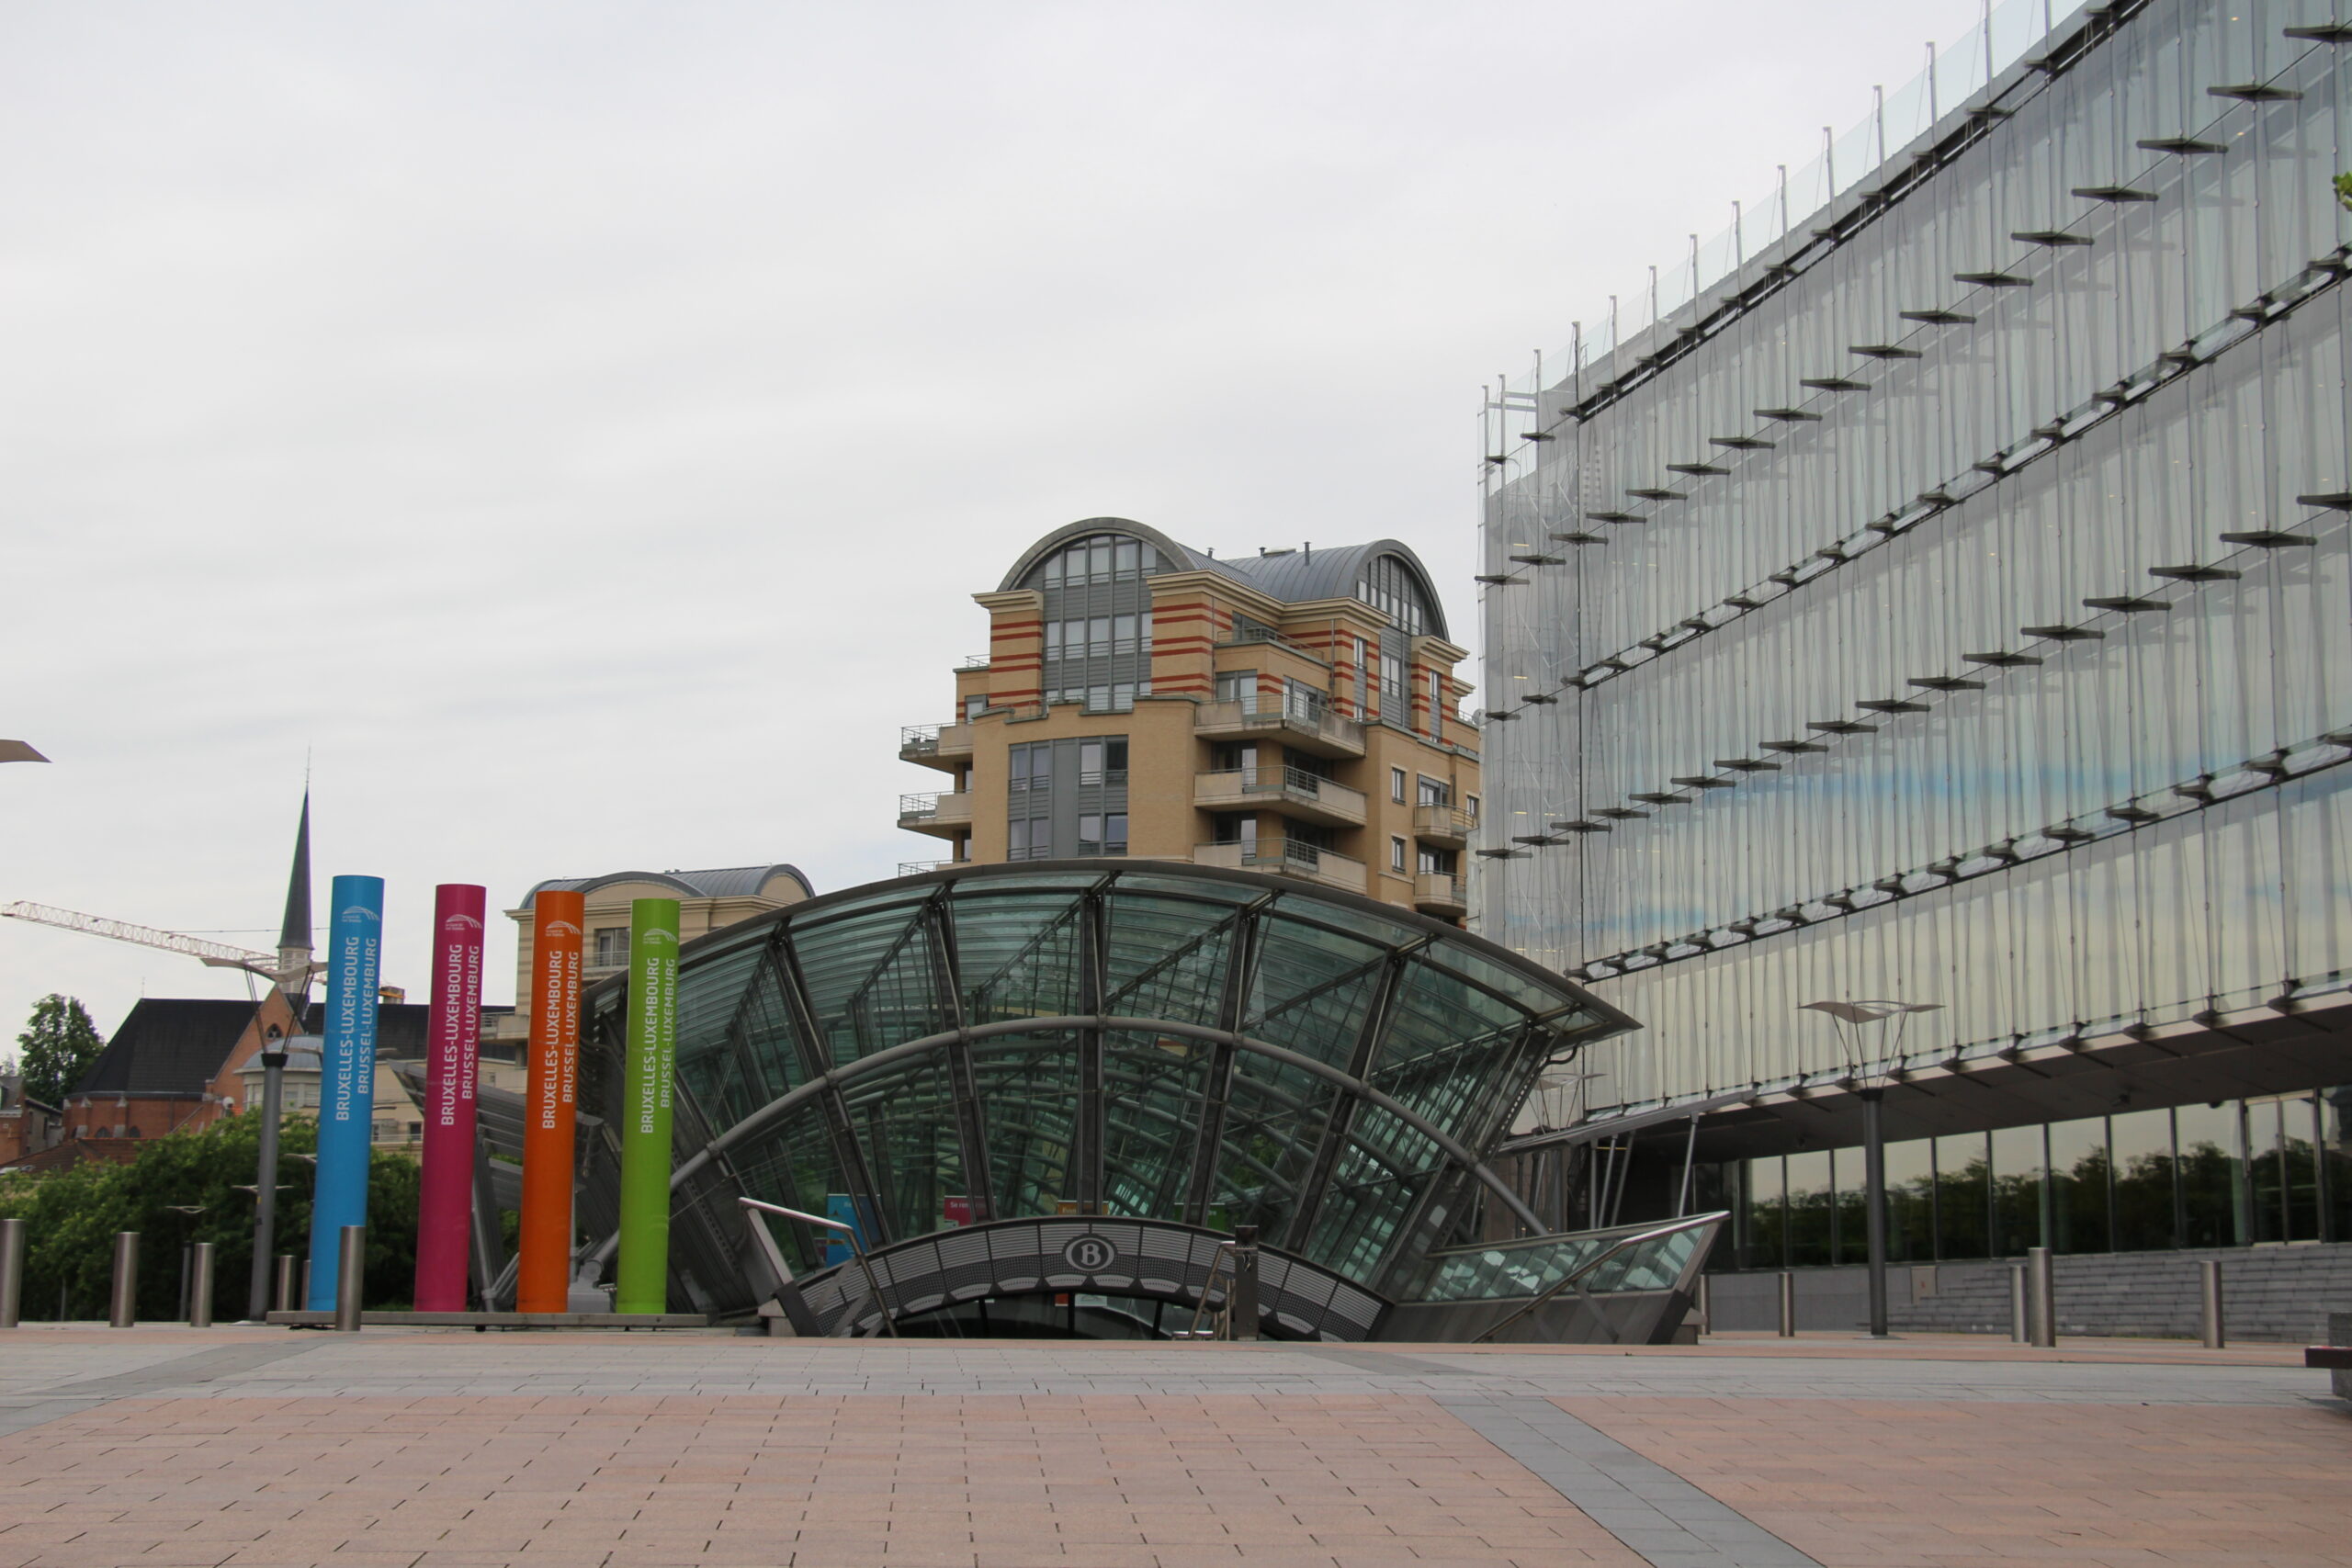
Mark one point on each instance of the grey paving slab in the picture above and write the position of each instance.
(1669, 1522)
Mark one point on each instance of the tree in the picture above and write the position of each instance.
(71, 1217)
(59, 1044)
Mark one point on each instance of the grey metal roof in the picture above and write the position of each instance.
(167, 1045)
(1292, 576)
(725, 882)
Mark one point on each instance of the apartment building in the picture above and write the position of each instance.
(1294, 711)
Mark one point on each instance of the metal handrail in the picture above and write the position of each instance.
(1576, 1276)
(890, 1314)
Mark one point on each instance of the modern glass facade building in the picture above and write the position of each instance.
(1941, 592)
(980, 1067)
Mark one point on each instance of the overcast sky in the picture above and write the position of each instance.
(578, 428)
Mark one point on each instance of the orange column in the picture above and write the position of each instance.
(543, 1275)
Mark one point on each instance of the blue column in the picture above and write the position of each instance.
(346, 1076)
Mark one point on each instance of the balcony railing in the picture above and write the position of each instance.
(935, 745)
(1436, 890)
(1286, 857)
(946, 813)
(1255, 637)
(917, 867)
(1314, 728)
(973, 661)
(1304, 795)
(1448, 824)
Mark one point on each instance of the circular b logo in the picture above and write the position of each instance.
(1090, 1255)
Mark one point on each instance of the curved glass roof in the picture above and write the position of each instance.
(1155, 1041)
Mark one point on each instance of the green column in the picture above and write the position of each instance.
(642, 1282)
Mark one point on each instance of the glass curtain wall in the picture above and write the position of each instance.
(2238, 1174)
(1963, 614)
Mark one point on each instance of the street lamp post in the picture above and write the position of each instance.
(275, 1052)
(1871, 1078)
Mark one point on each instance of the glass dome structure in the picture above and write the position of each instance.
(1159, 1044)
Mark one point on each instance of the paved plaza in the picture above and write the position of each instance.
(423, 1448)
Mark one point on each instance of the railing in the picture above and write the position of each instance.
(1442, 822)
(1286, 857)
(1294, 786)
(1318, 723)
(1255, 637)
(931, 739)
(949, 805)
(973, 661)
(917, 867)
(1438, 888)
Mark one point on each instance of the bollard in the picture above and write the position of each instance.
(199, 1287)
(2019, 1333)
(1788, 1305)
(1706, 1306)
(122, 1307)
(285, 1281)
(12, 1270)
(2208, 1276)
(2043, 1282)
(1242, 1299)
(351, 1267)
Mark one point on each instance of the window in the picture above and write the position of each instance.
(1437, 862)
(1053, 639)
(1123, 633)
(1104, 834)
(1030, 767)
(1098, 636)
(1396, 855)
(1397, 785)
(1392, 675)
(1030, 837)
(1098, 558)
(1470, 804)
(1437, 706)
(1233, 828)
(1369, 676)
(1434, 791)
(1302, 701)
(974, 706)
(612, 947)
(1102, 762)
(1237, 686)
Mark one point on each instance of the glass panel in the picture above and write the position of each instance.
(906, 1126)
(1910, 1201)
(2078, 1174)
(1810, 1201)
(2144, 1180)
(1029, 1083)
(1517, 1269)
(2017, 1190)
(1765, 1244)
(1373, 1184)
(2212, 1178)
(1964, 1196)
(1152, 1107)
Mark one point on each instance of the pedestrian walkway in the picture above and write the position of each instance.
(439, 1449)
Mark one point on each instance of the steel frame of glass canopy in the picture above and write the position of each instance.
(1151, 1041)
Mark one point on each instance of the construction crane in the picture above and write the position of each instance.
(212, 954)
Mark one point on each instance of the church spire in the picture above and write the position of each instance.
(294, 936)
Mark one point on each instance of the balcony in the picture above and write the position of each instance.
(917, 867)
(1291, 790)
(947, 746)
(1319, 732)
(1448, 827)
(1437, 893)
(944, 815)
(1286, 857)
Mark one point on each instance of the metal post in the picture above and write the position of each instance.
(186, 1254)
(12, 1270)
(273, 1092)
(1707, 1304)
(351, 1267)
(2019, 1331)
(285, 1281)
(1242, 1302)
(2044, 1315)
(200, 1294)
(1788, 1305)
(2209, 1277)
(122, 1307)
(1874, 1203)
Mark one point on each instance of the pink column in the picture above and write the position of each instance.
(453, 1059)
